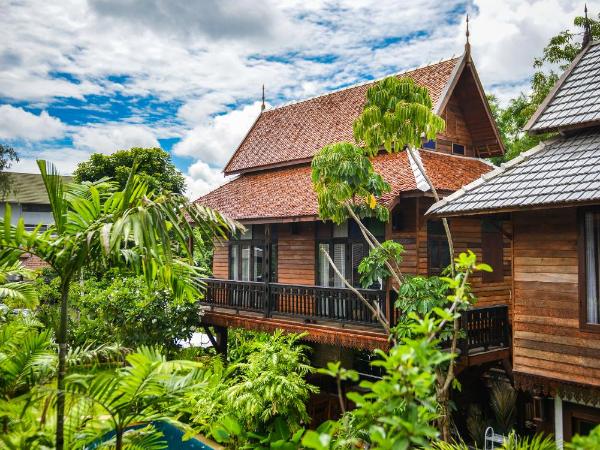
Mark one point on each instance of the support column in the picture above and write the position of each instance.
(558, 422)
(221, 338)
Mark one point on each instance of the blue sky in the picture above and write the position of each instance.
(78, 77)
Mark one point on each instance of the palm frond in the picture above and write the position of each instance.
(54, 188)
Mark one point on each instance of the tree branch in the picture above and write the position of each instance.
(376, 311)
(419, 164)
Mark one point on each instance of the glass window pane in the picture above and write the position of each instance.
(234, 262)
(246, 263)
(323, 268)
(340, 231)
(339, 259)
(258, 263)
(592, 255)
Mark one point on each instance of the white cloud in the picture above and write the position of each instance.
(215, 140)
(112, 137)
(16, 123)
(201, 179)
(209, 56)
(65, 159)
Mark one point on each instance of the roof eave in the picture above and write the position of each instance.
(482, 212)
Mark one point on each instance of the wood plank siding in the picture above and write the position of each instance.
(548, 340)
(296, 253)
(220, 263)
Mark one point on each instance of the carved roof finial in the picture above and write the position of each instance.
(587, 32)
(262, 106)
(468, 44)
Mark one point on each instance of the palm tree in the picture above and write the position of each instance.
(97, 226)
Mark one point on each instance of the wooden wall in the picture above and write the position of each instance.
(296, 253)
(467, 236)
(220, 260)
(457, 129)
(547, 338)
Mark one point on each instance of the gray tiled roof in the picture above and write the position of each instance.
(565, 170)
(576, 99)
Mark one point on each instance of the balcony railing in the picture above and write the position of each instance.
(485, 328)
(308, 302)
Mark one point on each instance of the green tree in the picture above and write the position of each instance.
(97, 226)
(154, 165)
(8, 155)
(397, 117)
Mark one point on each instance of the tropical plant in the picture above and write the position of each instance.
(503, 401)
(97, 226)
(15, 289)
(148, 390)
(591, 441)
(537, 442)
(271, 383)
(476, 424)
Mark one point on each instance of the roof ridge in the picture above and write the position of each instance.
(364, 83)
(493, 174)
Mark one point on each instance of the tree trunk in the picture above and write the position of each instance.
(62, 359)
(119, 439)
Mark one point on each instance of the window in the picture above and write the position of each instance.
(346, 247)
(458, 149)
(430, 144)
(247, 259)
(36, 208)
(234, 262)
(492, 250)
(591, 261)
(438, 253)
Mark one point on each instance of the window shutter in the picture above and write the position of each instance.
(492, 251)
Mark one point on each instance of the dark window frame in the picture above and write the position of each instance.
(582, 270)
(254, 242)
(464, 149)
(440, 240)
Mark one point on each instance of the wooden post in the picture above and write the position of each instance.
(221, 338)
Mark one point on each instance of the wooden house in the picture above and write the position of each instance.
(275, 277)
(552, 195)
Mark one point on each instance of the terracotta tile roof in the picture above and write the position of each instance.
(296, 131)
(288, 192)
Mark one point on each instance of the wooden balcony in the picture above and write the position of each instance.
(305, 308)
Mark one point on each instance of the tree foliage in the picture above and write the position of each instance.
(97, 226)
(398, 113)
(119, 307)
(154, 166)
(8, 155)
